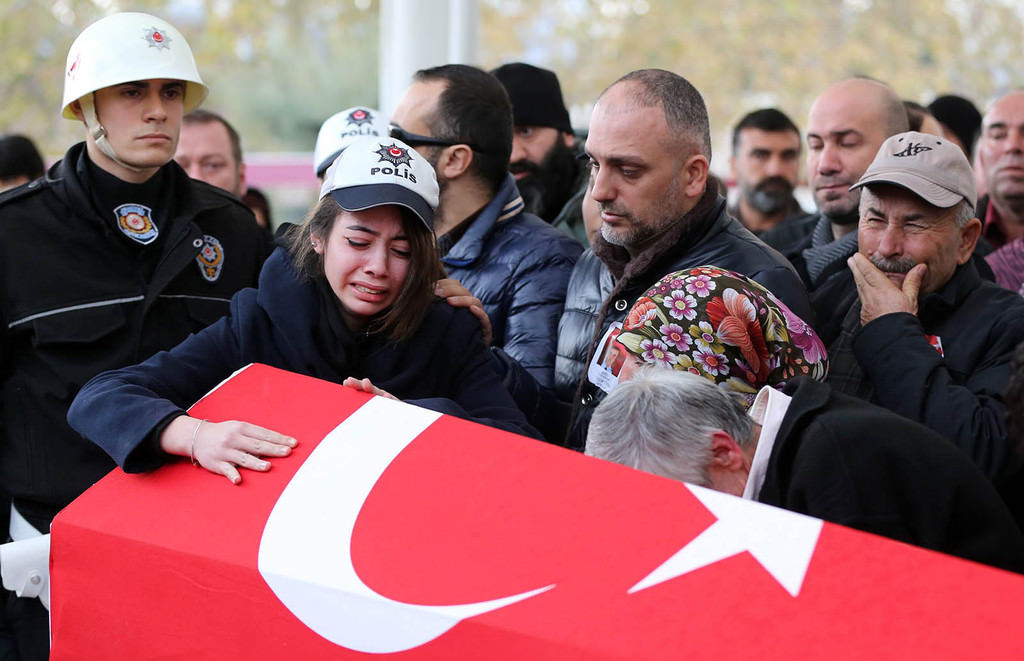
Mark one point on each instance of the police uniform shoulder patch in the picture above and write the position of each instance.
(210, 258)
(136, 222)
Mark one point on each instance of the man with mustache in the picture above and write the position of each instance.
(544, 161)
(913, 325)
(845, 127)
(111, 256)
(210, 149)
(765, 163)
(1001, 155)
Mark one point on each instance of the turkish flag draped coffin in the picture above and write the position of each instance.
(393, 530)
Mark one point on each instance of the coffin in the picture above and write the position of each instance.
(394, 530)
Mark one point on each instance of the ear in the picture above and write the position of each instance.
(76, 108)
(568, 138)
(241, 178)
(455, 161)
(732, 167)
(695, 169)
(968, 239)
(726, 453)
(318, 244)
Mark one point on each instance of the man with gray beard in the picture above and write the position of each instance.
(765, 163)
(845, 127)
(648, 152)
(911, 325)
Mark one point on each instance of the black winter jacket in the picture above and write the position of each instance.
(444, 366)
(957, 392)
(76, 300)
(808, 243)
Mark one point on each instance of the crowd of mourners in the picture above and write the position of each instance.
(471, 253)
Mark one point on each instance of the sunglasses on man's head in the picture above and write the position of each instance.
(417, 140)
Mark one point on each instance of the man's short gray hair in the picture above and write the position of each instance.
(661, 421)
(685, 112)
(964, 213)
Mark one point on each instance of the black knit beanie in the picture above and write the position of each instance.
(960, 116)
(535, 94)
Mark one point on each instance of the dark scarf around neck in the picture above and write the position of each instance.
(627, 272)
(340, 347)
(682, 232)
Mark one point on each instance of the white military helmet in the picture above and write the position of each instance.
(125, 47)
(341, 129)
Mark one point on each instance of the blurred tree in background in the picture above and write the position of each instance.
(278, 68)
(744, 54)
(275, 69)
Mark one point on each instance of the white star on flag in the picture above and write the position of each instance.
(782, 541)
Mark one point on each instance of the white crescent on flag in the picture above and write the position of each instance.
(305, 554)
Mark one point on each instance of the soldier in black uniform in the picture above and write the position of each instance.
(112, 255)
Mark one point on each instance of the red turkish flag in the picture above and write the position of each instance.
(393, 530)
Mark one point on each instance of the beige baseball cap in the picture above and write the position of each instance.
(929, 166)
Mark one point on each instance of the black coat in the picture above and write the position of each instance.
(596, 299)
(958, 393)
(76, 299)
(444, 366)
(849, 462)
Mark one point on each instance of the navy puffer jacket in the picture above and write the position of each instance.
(519, 268)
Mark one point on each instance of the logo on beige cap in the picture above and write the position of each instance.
(913, 149)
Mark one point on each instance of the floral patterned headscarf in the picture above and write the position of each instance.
(725, 327)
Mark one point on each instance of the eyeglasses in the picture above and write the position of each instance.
(417, 140)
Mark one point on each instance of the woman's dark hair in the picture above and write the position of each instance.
(417, 294)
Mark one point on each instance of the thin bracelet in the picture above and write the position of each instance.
(192, 447)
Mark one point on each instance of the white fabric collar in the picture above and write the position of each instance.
(768, 410)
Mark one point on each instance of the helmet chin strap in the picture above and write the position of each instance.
(98, 133)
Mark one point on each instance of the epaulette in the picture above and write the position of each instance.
(24, 190)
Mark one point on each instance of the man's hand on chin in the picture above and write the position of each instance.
(879, 295)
